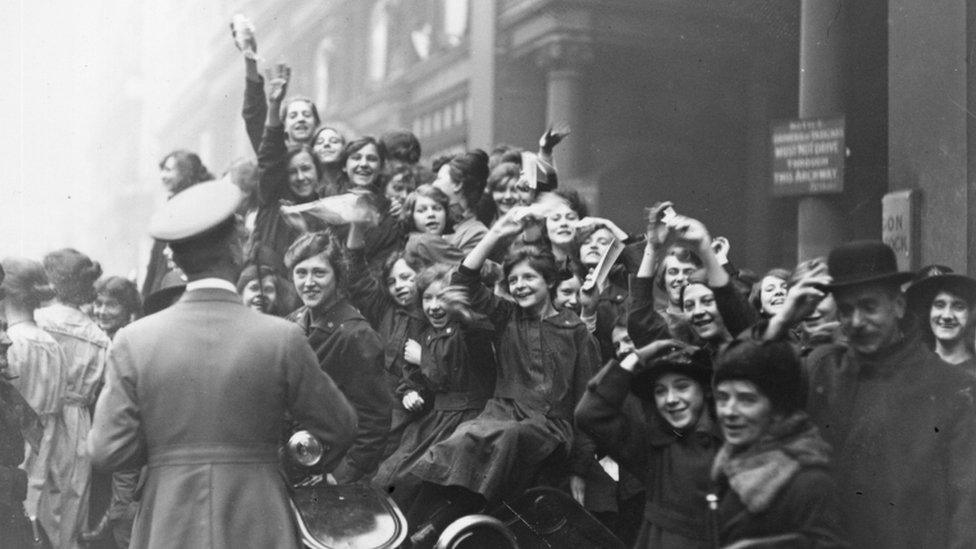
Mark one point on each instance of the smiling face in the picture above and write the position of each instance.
(772, 294)
(170, 175)
(328, 146)
(260, 295)
(363, 165)
(299, 120)
(595, 246)
(676, 273)
(869, 317)
(561, 225)
(744, 413)
(699, 305)
(315, 280)
(679, 399)
(528, 287)
(302, 174)
(110, 315)
(402, 283)
(949, 317)
(429, 216)
(432, 303)
(511, 192)
(567, 294)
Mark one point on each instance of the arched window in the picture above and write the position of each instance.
(321, 72)
(378, 35)
(455, 21)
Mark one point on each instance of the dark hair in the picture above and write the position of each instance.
(122, 290)
(283, 113)
(576, 203)
(772, 366)
(438, 163)
(73, 275)
(502, 173)
(312, 244)
(26, 283)
(354, 146)
(204, 251)
(401, 146)
(470, 170)
(190, 168)
(412, 176)
(755, 295)
(426, 191)
(295, 150)
(539, 259)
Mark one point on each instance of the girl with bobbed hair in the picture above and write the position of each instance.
(117, 303)
(772, 475)
(37, 367)
(85, 345)
(362, 163)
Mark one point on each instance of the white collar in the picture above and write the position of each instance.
(210, 283)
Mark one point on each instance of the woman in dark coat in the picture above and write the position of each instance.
(348, 349)
(772, 477)
(672, 452)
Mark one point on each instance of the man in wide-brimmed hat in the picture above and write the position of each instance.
(199, 393)
(900, 419)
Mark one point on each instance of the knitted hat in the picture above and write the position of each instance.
(773, 366)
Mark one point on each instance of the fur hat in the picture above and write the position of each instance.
(693, 362)
(773, 366)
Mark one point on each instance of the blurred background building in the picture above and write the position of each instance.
(667, 99)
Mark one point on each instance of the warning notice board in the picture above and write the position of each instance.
(808, 156)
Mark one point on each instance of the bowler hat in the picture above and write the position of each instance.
(931, 280)
(861, 262)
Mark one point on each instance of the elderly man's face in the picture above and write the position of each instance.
(869, 316)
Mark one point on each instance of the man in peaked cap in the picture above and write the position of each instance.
(199, 392)
(901, 420)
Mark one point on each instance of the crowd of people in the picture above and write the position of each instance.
(458, 333)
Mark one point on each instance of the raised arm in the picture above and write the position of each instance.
(272, 168)
(255, 108)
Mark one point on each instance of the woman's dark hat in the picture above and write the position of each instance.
(932, 279)
(694, 362)
(862, 262)
(773, 366)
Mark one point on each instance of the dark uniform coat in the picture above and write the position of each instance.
(199, 392)
(902, 427)
(351, 352)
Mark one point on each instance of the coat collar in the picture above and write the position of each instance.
(211, 294)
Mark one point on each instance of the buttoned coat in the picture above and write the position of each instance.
(199, 392)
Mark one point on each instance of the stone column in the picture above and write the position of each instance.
(565, 61)
(820, 220)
